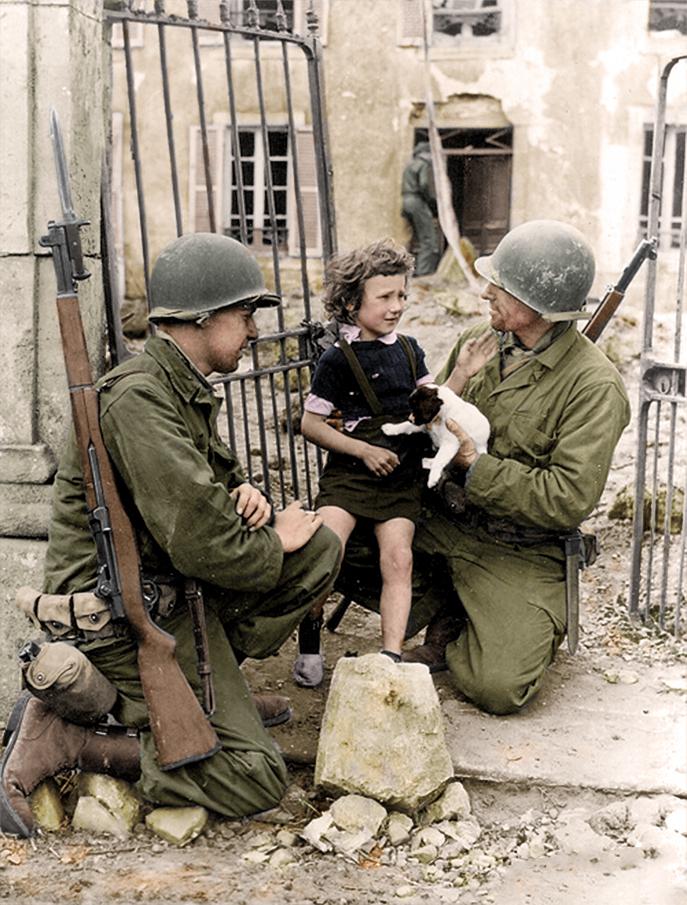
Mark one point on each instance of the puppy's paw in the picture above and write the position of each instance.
(433, 478)
(391, 429)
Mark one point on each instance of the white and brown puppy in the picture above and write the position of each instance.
(430, 407)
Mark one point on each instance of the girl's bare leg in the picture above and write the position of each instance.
(395, 538)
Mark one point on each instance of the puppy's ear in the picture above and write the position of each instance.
(427, 404)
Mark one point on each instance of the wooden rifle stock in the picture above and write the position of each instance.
(615, 294)
(180, 729)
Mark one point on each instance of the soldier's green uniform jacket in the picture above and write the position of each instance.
(555, 422)
(158, 417)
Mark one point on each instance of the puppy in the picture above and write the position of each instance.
(430, 407)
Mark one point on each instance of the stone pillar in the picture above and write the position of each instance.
(52, 54)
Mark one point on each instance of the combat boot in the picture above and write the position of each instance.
(40, 744)
(441, 630)
(272, 708)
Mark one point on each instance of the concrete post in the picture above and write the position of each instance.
(52, 54)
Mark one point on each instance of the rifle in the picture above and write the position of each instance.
(181, 732)
(614, 295)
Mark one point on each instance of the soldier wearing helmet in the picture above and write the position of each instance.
(557, 408)
(195, 516)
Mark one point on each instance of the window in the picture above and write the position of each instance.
(455, 19)
(278, 164)
(455, 23)
(665, 15)
(672, 185)
(239, 12)
(255, 170)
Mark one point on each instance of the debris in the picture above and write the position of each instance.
(398, 828)
(93, 816)
(177, 825)
(116, 795)
(356, 812)
(46, 806)
(452, 803)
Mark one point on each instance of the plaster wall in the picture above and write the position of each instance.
(51, 55)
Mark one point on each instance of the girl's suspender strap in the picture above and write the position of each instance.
(361, 378)
(359, 374)
(410, 355)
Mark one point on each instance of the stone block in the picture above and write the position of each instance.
(177, 825)
(94, 817)
(452, 804)
(382, 733)
(46, 806)
(355, 812)
(116, 795)
(398, 828)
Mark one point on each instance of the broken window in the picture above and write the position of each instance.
(665, 15)
(456, 19)
(672, 184)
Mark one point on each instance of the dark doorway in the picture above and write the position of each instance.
(479, 165)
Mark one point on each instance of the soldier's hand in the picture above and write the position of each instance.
(295, 526)
(379, 460)
(467, 454)
(473, 356)
(253, 506)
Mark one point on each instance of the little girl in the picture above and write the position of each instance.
(367, 376)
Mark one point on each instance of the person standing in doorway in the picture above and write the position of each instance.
(419, 208)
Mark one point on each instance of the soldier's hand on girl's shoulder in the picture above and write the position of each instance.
(252, 505)
(295, 526)
(379, 460)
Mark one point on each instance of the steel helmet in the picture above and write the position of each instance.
(203, 272)
(547, 265)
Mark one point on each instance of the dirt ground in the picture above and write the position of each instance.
(234, 861)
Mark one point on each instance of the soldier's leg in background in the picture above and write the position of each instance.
(258, 624)
(248, 774)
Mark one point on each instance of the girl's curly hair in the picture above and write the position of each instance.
(345, 275)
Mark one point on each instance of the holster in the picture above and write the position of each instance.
(581, 550)
(61, 676)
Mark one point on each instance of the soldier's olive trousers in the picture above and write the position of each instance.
(248, 774)
(514, 599)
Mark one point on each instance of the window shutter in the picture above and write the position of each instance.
(410, 24)
(199, 214)
(310, 199)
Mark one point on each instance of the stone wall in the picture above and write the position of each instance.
(51, 53)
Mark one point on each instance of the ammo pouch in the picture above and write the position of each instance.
(66, 617)
(61, 676)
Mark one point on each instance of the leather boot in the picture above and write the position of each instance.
(273, 709)
(40, 744)
(441, 630)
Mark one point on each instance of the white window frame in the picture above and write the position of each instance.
(414, 12)
(260, 213)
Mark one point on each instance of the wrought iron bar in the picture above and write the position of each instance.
(136, 156)
(169, 117)
(193, 14)
(235, 138)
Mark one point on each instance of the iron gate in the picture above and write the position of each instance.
(660, 497)
(236, 101)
